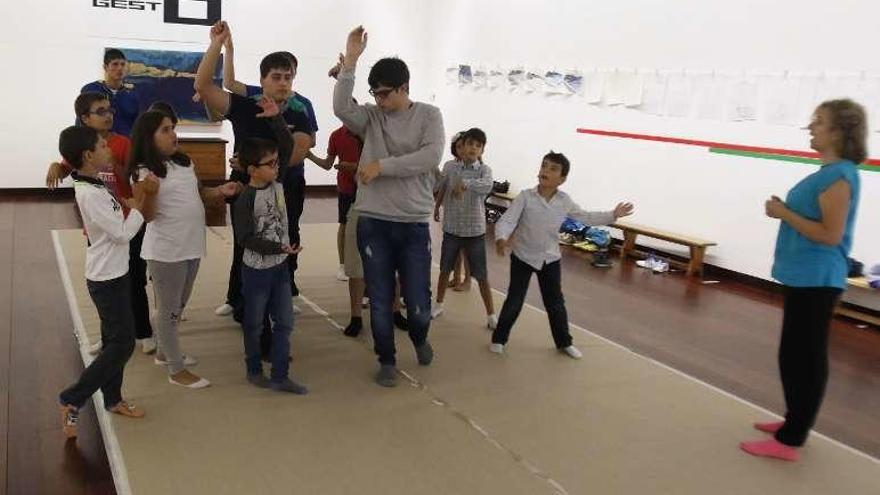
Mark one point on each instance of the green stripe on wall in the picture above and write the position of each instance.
(781, 158)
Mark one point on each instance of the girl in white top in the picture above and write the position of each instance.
(174, 242)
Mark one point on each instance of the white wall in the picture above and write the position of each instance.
(49, 54)
(679, 188)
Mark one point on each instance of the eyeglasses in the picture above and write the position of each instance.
(271, 163)
(382, 93)
(101, 112)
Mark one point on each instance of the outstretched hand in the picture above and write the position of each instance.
(334, 71)
(623, 210)
(55, 175)
(269, 107)
(366, 173)
(292, 249)
(229, 189)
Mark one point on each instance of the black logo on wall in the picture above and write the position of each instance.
(170, 8)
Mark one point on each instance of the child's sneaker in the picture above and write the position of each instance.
(296, 309)
(127, 409)
(69, 420)
(289, 386)
(425, 353)
(340, 274)
(258, 380)
(496, 348)
(491, 322)
(436, 310)
(572, 352)
(148, 345)
(660, 266)
(224, 310)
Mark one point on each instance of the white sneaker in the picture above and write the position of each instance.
(365, 302)
(148, 345)
(496, 348)
(202, 383)
(187, 361)
(492, 321)
(572, 352)
(224, 310)
(297, 310)
(340, 274)
(436, 310)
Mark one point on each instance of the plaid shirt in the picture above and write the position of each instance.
(466, 216)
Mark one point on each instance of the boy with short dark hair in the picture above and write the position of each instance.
(261, 229)
(122, 95)
(107, 277)
(536, 215)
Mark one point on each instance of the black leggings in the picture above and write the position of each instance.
(803, 358)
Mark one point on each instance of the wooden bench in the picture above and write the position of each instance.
(697, 246)
(861, 294)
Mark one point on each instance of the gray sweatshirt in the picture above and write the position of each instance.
(408, 144)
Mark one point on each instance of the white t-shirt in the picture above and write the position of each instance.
(177, 233)
(107, 229)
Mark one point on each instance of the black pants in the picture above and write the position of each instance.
(550, 281)
(112, 299)
(803, 358)
(294, 198)
(137, 272)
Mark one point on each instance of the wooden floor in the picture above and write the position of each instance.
(724, 334)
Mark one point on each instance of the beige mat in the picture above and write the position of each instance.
(530, 422)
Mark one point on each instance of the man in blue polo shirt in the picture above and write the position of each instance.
(123, 98)
(295, 181)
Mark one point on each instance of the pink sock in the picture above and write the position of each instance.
(771, 427)
(771, 448)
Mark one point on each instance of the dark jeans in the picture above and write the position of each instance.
(268, 292)
(387, 248)
(550, 281)
(294, 199)
(235, 298)
(803, 358)
(137, 272)
(112, 299)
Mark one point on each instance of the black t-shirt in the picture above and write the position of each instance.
(245, 124)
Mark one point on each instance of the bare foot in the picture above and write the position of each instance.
(465, 285)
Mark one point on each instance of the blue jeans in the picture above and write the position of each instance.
(268, 292)
(396, 247)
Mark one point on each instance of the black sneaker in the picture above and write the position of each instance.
(289, 386)
(425, 353)
(258, 380)
(387, 376)
(354, 327)
(400, 321)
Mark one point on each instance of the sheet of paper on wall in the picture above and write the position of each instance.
(465, 75)
(516, 78)
(808, 86)
(451, 74)
(633, 89)
(709, 91)
(534, 80)
(618, 83)
(554, 82)
(742, 100)
(779, 105)
(595, 86)
(481, 77)
(653, 93)
(574, 82)
(495, 79)
(679, 95)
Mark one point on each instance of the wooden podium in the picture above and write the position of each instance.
(209, 156)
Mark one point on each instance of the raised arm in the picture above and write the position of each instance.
(351, 114)
(229, 81)
(214, 97)
(325, 163)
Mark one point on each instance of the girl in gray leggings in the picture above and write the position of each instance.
(174, 241)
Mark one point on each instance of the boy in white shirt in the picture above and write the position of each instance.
(536, 215)
(107, 278)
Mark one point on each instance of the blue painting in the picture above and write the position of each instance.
(169, 76)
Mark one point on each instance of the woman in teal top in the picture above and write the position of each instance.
(814, 240)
